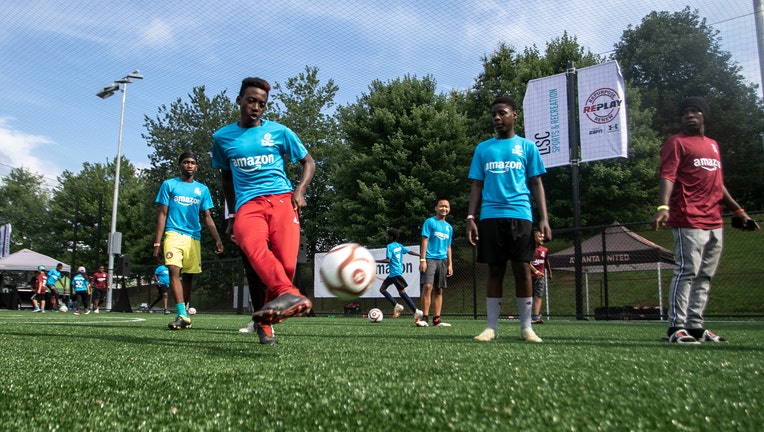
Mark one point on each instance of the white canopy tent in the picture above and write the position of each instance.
(28, 260)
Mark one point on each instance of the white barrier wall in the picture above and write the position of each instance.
(410, 273)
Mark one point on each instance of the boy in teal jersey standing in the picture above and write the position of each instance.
(181, 200)
(505, 172)
(436, 263)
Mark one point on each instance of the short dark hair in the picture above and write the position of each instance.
(254, 82)
(393, 233)
(505, 100)
(187, 155)
(439, 199)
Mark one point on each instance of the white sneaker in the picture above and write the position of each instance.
(442, 324)
(488, 334)
(418, 316)
(711, 337)
(421, 323)
(681, 336)
(96, 311)
(250, 328)
(529, 335)
(397, 310)
(87, 311)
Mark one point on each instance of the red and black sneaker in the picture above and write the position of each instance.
(265, 333)
(282, 307)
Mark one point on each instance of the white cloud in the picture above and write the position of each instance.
(19, 149)
(158, 34)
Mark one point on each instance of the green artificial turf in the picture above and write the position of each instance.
(122, 371)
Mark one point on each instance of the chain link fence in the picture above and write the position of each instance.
(625, 273)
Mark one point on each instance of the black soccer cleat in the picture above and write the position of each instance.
(181, 322)
(282, 307)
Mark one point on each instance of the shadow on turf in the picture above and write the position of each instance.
(214, 346)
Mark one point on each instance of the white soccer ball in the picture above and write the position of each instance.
(192, 311)
(376, 315)
(348, 270)
(63, 308)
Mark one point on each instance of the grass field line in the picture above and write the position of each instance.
(111, 320)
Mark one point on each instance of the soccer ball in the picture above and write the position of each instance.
(192, 311)
(63, 308)
(376, 315)
(348, 270)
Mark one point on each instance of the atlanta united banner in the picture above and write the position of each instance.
(602, 112)
(410, 273)
(546, 118)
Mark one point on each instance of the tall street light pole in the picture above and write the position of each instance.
(115, 238)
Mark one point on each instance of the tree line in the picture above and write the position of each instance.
(383, 160)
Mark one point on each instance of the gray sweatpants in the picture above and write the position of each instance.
(697, 253)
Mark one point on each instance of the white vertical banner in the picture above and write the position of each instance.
(602, 112)
(545, 109)
(5, 240)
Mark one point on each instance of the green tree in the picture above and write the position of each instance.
(507, 72)
(407, 146)
(303, 104)
(78, 198)
(673, 55)
(25, 206)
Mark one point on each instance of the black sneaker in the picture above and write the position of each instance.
(181, 322)
(282, 307)
(265, 333)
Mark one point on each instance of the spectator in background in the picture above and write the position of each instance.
(81, 288)
(539, 266)
(54, 275)
(162, 280)
(100, 284)
(39, 290)
(691, 193)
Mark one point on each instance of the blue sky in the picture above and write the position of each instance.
(57, 55)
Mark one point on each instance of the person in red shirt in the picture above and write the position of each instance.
(539, 266)
(38, 297)
(100, 282)
(691, 193)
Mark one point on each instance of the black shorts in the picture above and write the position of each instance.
(163, 289)
(399, 282)
(99, 293)
(82, 295)
(505, 239)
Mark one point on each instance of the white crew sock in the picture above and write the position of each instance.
(493, 310)
(524, 309)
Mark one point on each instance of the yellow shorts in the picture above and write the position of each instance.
(182, 251)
